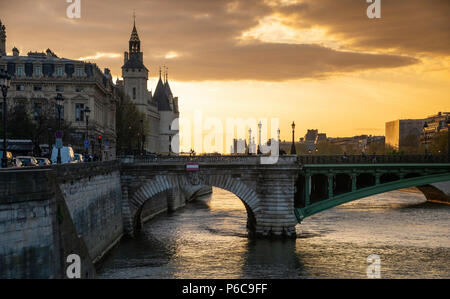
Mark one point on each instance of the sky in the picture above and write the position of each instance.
(321, 63)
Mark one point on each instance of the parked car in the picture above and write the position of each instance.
(79, 158)
(43, 161)
(67, 155)
(9, 156)
(16, 163)
(28, 161)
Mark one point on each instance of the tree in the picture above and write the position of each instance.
(37, 123)
(129, 128)
(439, 144)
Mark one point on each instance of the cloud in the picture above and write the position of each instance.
(209, 33)
(406, 26)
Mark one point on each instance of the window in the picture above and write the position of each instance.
(79, 89)
(59, 71)
(79, 72)
(79, 112)
(59, 88)
(37, 88)
(20, 87)
(134, 93)
(37, 71)
(20, 71)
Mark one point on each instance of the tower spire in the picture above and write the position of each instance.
(2, 39)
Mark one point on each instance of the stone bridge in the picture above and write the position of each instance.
(267, 191)
(276, 196)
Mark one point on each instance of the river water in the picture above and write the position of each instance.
(208, 239)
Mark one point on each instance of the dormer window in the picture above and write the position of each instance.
(20, 71)
(37, 71)
(79, 72)
(59, 71)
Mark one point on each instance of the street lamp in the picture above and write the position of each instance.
(87, 112)
(448, 137)
(425, 126)
(293, 150)
(59, 104)
(259, 139)
(5, 81)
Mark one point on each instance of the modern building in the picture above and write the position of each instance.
(160, 108)
(38, 77)
(405, 132)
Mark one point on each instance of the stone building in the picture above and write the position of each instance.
(38, 77)
(160, 108)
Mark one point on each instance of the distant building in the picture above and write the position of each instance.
(239, 147)
(404, 132)
(408, 132)
(435, 124)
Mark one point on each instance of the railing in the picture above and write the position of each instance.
(219, 159)
(372, 159)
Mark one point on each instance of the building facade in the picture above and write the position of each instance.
(38, 77)
(404, 132)
(160, 108)
(436, 124)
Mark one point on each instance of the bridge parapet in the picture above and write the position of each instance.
(371, 159)
(222, 159)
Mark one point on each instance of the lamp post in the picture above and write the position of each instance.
(293, 150)
(259, 139)
(250, 141)
(87, 112)
(448, 139)
(5, 81)
(59, 103)
(425, 126)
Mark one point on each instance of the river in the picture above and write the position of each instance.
(208, 239)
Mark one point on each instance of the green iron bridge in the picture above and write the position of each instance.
(325, 182)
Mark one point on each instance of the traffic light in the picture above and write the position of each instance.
(100, 140)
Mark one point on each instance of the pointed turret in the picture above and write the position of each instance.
(135, 42)
(160, 96)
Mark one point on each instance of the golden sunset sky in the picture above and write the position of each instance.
(321, 63)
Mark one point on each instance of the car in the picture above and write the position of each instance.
(67, 155)
(16, 163)
(28, 161)
(79, 158)
(43, 161)
(9, 156)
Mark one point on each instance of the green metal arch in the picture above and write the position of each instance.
(302, 213)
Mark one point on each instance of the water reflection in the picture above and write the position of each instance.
(208, 239)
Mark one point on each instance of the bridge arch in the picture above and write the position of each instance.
(161, 183)
(411, 180)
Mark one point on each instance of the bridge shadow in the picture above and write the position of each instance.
(273, 259)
